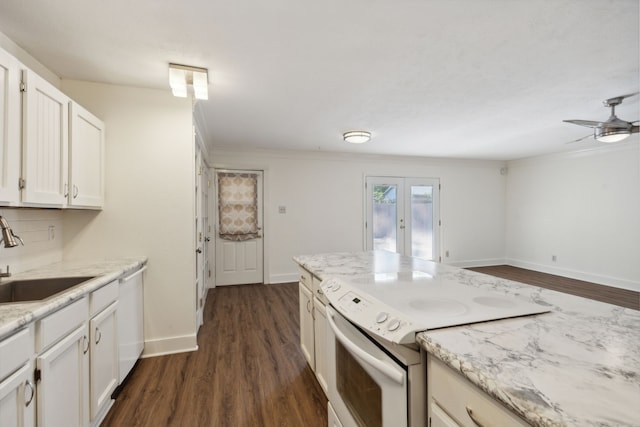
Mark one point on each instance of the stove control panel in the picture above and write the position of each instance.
(368, 313)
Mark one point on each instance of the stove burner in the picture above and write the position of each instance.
(440, 306)
(495, 302)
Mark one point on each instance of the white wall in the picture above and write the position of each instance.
(324, 198)
(584, 208)
(149, 203)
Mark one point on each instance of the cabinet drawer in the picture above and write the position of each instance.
(56, 325)
(456, 396)
(305, 278)
(15, 351)
(101, 298)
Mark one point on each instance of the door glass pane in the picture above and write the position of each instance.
(385, 214)
(360, 393)
(422, 221)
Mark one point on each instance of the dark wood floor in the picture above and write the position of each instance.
(248, 370)
(608, 294)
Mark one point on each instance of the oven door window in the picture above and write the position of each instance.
(360, 393)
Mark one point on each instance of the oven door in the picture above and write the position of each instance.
(367, 388)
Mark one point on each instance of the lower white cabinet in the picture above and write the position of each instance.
(17, 390)
(307, 343)
(17, 398)
(103, 361)
(320, 341)
(62, 377)
(453, 401)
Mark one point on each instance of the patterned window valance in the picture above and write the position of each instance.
(237, 206)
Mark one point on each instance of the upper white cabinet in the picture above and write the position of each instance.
(45, 142)
(9, 129)
(86, 148)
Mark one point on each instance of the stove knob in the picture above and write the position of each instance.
(395, 324)
(381, 317)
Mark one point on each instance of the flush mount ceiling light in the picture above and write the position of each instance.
(180, 76)
(356, 136)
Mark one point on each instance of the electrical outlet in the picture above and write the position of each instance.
(282, 209)
(52, 232)
(554, 258)
(446, 254)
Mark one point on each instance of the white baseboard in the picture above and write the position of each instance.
(477, 262)
(171, 345)
(284, 278)
(578, 275)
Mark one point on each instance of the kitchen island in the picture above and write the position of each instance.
(578, 365)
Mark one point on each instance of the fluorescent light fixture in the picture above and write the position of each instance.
(180, 76)
(610, 135)
(356, 136)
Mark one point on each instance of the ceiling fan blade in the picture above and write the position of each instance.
(587, 123)
(618, 99)
(580, 139)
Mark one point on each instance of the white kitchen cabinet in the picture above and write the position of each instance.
(9, 129)
(306, 325)
(130, 321)
(17, 398)
(86, 157)
(453, 401)
(17, 390)
(45, 143)
(103, 361)
(320, 341)
(62, 377)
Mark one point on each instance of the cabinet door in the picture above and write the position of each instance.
(45, 143)
(306, 325)
(104, 358)
(62, 389)
(320, 339)
(86, 168)
(9, 129)
(17, 399)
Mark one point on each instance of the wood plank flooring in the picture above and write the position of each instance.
(248, 370)
(608, 294)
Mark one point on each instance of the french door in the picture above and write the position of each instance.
(403, 216)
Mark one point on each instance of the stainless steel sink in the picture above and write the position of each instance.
(37, 289)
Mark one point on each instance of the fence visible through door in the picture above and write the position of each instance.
(239, 247)
(403, 216)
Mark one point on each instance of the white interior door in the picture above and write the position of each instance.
(239, 262)
(403, 216)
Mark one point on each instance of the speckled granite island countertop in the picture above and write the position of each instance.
(578, 365)
(14, 316)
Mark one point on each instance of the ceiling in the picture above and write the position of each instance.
(483, 79)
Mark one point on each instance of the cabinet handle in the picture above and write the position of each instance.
(28, 384)
(308, 309)
(85, 342)
(319, 291)
(473, 417)
(98, 336)
(75, 191)
(66, 189)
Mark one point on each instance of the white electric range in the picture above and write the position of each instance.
(396, 306)
(376, 372)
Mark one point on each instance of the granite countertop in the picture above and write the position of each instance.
(14, 316)
(578, 365)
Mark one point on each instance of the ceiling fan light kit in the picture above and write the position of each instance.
(612, 130)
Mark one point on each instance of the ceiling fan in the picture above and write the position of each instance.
(613, 129)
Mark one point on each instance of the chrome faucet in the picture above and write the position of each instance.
(8, 237)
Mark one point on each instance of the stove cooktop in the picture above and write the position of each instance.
(396, 306)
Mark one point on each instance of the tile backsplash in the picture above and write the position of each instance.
(41, 231)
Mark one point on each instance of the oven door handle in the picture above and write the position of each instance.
(389, 370)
